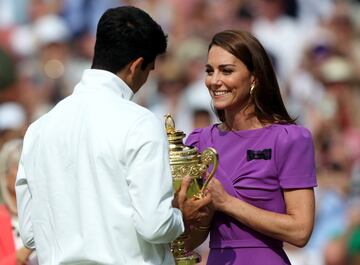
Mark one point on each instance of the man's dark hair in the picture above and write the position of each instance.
(126, 33)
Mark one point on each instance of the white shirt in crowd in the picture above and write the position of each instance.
(94, 184)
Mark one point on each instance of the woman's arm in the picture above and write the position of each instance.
(294, 227)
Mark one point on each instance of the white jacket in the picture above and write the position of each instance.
(94, 183)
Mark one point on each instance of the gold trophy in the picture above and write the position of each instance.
(187, 161)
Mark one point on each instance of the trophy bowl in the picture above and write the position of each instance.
(187, 161)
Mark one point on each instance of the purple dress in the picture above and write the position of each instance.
(255, 166)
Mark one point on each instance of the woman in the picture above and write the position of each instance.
(262, 192)
(12, 250)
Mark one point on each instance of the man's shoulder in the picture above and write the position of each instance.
(137, 112)
(34, 125)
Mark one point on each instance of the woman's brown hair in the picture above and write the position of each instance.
(266, 97)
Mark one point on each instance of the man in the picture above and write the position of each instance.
(94, 184)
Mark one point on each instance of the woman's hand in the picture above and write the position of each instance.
(218, 195)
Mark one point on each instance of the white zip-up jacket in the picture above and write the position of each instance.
(94, 184)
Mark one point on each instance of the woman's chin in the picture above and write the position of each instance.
(220, 106)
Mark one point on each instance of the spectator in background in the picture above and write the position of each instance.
(12, 250)
(191, 55)
(279, 33)
(83, 15)
(201, 118)
(169, 97)
(13, 118)
(12, 121)
(7, 77)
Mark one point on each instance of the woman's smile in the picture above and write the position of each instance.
(228, 79)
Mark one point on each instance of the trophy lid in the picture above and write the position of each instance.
(178, 150)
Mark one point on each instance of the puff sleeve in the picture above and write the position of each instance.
(294, 158)
(194, 138)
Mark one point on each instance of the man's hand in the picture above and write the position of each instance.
(194, 210)
(22, 255)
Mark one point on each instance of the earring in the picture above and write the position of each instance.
(252, 89)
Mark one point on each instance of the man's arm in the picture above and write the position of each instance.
(23, 198)
(150, 183)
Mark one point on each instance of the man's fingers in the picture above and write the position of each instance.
(200, 203)
(201, 215)
(184, 187)
(204, 200)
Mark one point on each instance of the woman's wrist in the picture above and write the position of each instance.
(225, 204)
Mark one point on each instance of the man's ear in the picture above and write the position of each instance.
(130, 73)
(135, 65)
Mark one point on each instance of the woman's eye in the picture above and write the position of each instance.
(227, 71)
(208, 71)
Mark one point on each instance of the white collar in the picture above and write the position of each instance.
(95, 78)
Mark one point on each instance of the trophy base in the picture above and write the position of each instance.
(189, 259)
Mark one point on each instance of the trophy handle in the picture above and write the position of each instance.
(209, 156)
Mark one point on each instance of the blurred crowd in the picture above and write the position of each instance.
(315, 48)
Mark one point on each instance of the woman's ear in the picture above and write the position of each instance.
(253, 80)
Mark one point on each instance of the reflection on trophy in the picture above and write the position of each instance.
(187, 161)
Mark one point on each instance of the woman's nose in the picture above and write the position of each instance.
(215, 80)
